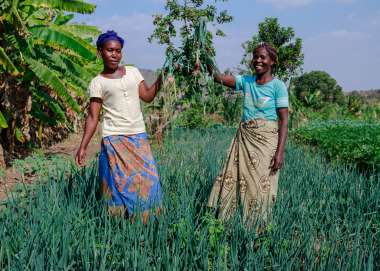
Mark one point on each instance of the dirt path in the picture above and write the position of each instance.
(67, 147)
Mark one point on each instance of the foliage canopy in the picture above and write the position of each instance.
(317, 87)
(46, 63)
(290, 56)
(186, 21)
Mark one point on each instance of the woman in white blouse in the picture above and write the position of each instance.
(127, 169)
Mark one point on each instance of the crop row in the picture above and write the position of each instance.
(353, 142)
(326, 218)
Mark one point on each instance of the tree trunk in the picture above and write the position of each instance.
(2, 158)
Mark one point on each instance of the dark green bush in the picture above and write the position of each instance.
(354, 142)
(316, 88)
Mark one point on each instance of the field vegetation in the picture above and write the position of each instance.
(327, 214)
(326, 218)
(354, 142)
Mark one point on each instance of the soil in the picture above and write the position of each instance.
(67, 147)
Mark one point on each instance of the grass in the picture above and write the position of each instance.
(326, 218)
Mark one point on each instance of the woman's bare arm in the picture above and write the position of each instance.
(146, 93)
(224, 79)
(89, 129)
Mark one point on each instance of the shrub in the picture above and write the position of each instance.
(354, 142)
(316, 88)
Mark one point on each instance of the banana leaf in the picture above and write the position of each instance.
(81, 30)
(7, 63)
(3, 121)
(55, 36)
(62, 19)
(48, 77)
(72, 5)
(41, 97)
(19, 136)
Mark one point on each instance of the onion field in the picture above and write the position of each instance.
(326, 218)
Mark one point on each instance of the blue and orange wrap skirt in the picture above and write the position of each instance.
(128, 173)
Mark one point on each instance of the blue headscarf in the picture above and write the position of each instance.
(109, 35)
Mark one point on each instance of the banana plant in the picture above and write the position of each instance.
(46, 60)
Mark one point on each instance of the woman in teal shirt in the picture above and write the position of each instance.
(250, 174)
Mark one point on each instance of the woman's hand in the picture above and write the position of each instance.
(277, 162)
(80, 157)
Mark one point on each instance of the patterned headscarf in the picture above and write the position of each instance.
(109, 35)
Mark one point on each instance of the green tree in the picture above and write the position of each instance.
(290, 56)
(45, 65)
(355, 102)
(189, 17)
(317, 87)
(186, 14)
(186, 21)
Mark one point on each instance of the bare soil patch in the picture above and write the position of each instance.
(67, 147)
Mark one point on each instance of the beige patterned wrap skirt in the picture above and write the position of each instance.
(246, 179)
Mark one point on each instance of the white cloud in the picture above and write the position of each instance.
(286, 3)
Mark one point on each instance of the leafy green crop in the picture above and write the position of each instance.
(326, 218)
(348, 141)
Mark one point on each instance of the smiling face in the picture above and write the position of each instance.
(262, 62)
(111, 54)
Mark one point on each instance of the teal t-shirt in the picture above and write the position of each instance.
(261, 101)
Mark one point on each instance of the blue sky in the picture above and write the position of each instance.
(341, 37)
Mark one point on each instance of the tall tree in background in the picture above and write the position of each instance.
(185, 14)
(183, 30)
(290, 56)
(189, 17)
(315, 88)
(45, 65)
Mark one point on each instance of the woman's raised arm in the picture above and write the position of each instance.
(224, 79)
(146, 93)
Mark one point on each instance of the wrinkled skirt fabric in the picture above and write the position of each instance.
(246, 179)
(128, 173)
